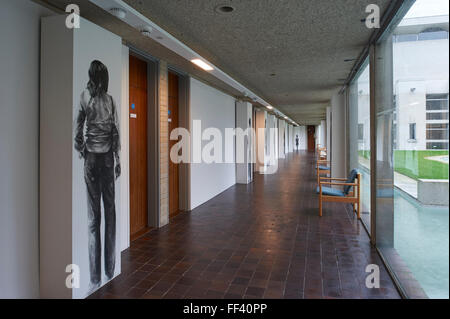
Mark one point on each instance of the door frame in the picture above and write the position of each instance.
(184, 121)
(153, 125)
(313, 137)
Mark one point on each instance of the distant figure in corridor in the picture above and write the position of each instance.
(296, 141)
(97, 141)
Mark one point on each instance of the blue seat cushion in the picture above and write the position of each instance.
(351, 179)
(328, 191)
(324, 168)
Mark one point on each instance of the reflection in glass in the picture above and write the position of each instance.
(359, 132)
(411, 86)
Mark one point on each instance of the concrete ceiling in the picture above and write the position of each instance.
(290, 52)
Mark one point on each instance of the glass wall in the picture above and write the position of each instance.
(412, 123)
(359, 134)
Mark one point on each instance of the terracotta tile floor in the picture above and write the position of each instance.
(263, 240)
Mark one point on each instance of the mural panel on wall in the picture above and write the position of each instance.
(97, 141)
(96, 166)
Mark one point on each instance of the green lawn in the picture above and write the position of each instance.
(414, 164)
(364, 153)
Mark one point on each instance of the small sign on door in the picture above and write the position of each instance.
(133, 115)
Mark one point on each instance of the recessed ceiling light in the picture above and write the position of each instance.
(118, 13)
(224, 8)
(270, 107)
(200, 63)
(146, 31)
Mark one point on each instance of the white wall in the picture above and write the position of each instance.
(214, 109)
(291, 138)
(272, 141)
(302, 136)
(286, 129)
(275, 127)
(338, 139)
(363, 108)
(323, 133)
(328, 139)
(281, 137)
(411, 108)
(317, 135)
(244, 148)
(420, 68)
(19, 140)
(125, 153)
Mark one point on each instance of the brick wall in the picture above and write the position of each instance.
(163, 145)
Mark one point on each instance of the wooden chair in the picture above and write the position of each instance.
(321, 153)
(346, 195)
(323, 167)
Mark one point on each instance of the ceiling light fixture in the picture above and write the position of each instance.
(224, 8)
(205, 66)
(269, 107)
(146, 31)
(118, 13)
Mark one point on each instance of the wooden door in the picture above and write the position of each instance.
(174, 173)
(311, 137)
(138, 147)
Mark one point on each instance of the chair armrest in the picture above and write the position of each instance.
(339, 184)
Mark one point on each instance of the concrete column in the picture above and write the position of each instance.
(243, 121)
(328, 138)
(323, 133)
(338, 138)
(281, 138)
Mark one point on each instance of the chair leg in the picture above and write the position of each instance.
(320, 206)
(359, 214)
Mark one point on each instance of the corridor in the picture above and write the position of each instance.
(262, 240)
